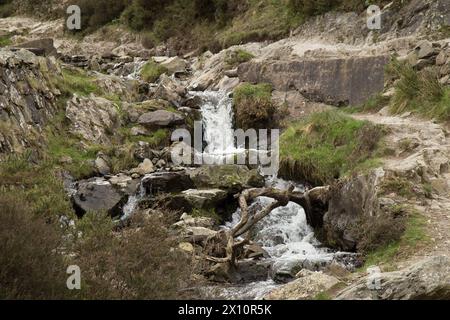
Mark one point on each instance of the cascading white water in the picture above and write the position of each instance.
(217, 118)
(284, 233)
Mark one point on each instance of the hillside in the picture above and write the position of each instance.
(215, 149)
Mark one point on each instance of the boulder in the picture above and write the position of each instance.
(186, 247)
(349, 203)
(167, 182)
(427, 279)
(170, 90)
(232, 178)
(160, 119)
(227, 84)
(98, 195)
(205, 198)
(424, 49)
(145, 167)
(175, 65)
(101, 165)
(92, 118)
(306, 287)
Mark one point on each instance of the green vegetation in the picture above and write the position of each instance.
(5, 41)
(374, 104)
(253, 106)
(327, 145)
(152, 71)
(39, 185)
(413, 235)
(34, 245)
(7, 8)
(236, 57)
(323, 296)
(399, 186)
(76, 81)
(99, 13)
(418, 91)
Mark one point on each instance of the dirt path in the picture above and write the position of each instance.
(421, 150)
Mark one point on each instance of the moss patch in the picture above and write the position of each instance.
(236, 57)
(152, 71)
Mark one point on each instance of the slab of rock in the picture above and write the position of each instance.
(175, 65)
(44, 46)
(170, 90)
(167, 182)
(232, 178)
(337, 81)
(98, 195)
(160, 119)
(205, 198)
(306, 287)
(427, 279)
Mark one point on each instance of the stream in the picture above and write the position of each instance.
(284, 234)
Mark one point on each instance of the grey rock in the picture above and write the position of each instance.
(160, 119)
(427, 279)
(167, 182)
(98, 195)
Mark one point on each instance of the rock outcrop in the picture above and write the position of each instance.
(92, 118)
(427, 279)
(307, 286)
(337, 81)
(27, 99)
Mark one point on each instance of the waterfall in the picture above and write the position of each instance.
(284, 233)
(132, 203)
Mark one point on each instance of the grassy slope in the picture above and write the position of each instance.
(325, 146)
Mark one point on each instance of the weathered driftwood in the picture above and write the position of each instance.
(239, 235)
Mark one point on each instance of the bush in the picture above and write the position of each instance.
(7, 8)
(152, 71)
(31, 266)
(253, 106)
(325, 146)
(138, 263)
(96, 14)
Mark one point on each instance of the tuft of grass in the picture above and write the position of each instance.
(374, 104)
(327, 145)
(236, 57)
(418, 91)
(77, 81)
(152, 71)
(253, 106)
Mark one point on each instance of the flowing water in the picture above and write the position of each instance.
(285, 233)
